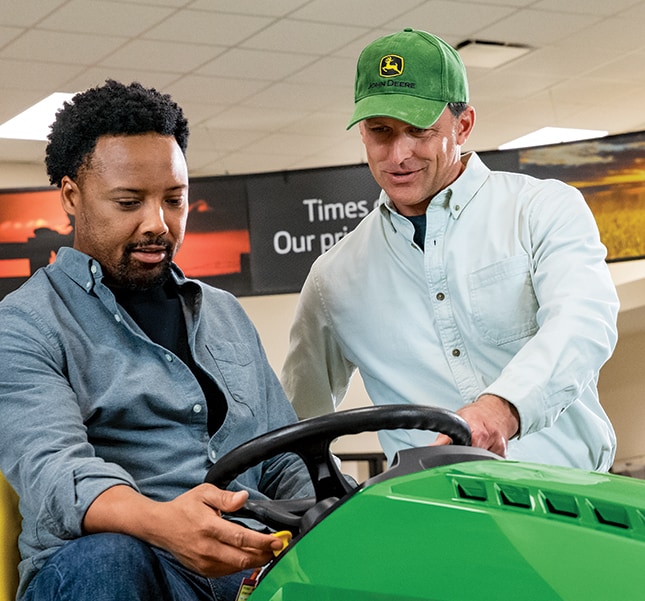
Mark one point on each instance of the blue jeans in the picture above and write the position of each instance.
(115, 567)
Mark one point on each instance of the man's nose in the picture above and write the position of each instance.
(401, 148)
(154, 222)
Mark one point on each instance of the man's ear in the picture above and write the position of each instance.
(69, 195)
(465, 125)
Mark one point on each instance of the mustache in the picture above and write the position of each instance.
(158, 241)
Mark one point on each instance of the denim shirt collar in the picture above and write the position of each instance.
(87, 272)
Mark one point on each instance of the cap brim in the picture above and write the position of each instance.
(419, 112)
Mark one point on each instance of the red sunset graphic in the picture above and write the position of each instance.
(34, 222)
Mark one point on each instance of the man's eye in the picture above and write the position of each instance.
(128, 204)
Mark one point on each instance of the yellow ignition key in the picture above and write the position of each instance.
(285, 536)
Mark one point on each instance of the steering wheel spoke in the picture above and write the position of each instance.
(324, 470)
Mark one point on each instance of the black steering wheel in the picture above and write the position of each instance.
(310, 439)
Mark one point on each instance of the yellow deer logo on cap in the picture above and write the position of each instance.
(391, 65)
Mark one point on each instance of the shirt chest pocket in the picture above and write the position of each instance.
(503, 300)
(235, 363)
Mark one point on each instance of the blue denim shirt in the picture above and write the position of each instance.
(87, 401)
(511, 296)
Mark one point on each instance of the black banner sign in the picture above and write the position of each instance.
(259, 234)
(296, 216)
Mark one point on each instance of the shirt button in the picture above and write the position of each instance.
(117, 318)
(197, 408)
(93, 269)
(457, 207)
(456, 352)
(168, 357)
(440, 296)
(212, 454)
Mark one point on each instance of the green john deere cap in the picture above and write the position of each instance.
(411, 76)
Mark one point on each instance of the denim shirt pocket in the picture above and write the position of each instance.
(235, 363)
(503, 300)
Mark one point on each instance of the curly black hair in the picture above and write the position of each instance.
(111, 109)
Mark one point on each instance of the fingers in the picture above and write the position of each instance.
(223, 500)
(491, 441)
(492, 420)
(441, 440)
(204, 541)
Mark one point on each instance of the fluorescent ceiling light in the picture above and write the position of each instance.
(553, 135)
(488, 55)
(35, 122)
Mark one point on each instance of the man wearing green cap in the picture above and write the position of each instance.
(483, 292)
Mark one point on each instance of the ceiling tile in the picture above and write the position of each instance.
(353, 49)
(293, 96)
(96, 76)
(283, 70)
(585, 90)
(629, 68)
(222, 140)
(321, 124)
(253, 162)
(290, 143)
(37, 76)
(346, 151)
(218, 90)
(107, 18)
(370, 13)
(608, 118)
(548, 61)
(244, 118)
(585, 7)
(9, 33)
(635, 12)
(202, 27)
(514, 85)
(536, 28)
(170, 57)
(256, 64)
(449, 19)
(15, 101)
(301, 36)
(515, 3)
(327, 71)
(613, 34)
(72, 48)
(170, 3)
(274, 8)
(198, 113)
(27, 14)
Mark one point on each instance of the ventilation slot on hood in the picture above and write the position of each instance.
(610, 515)
(560, 504)
(475, 490)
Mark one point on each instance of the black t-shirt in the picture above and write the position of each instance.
(419, 223)
(159, 314)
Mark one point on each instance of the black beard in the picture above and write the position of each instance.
(128, 277)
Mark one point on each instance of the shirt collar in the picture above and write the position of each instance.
(87, 272)
(457, 195)
(466, 186)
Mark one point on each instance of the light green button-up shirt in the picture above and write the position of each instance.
(512, 296)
